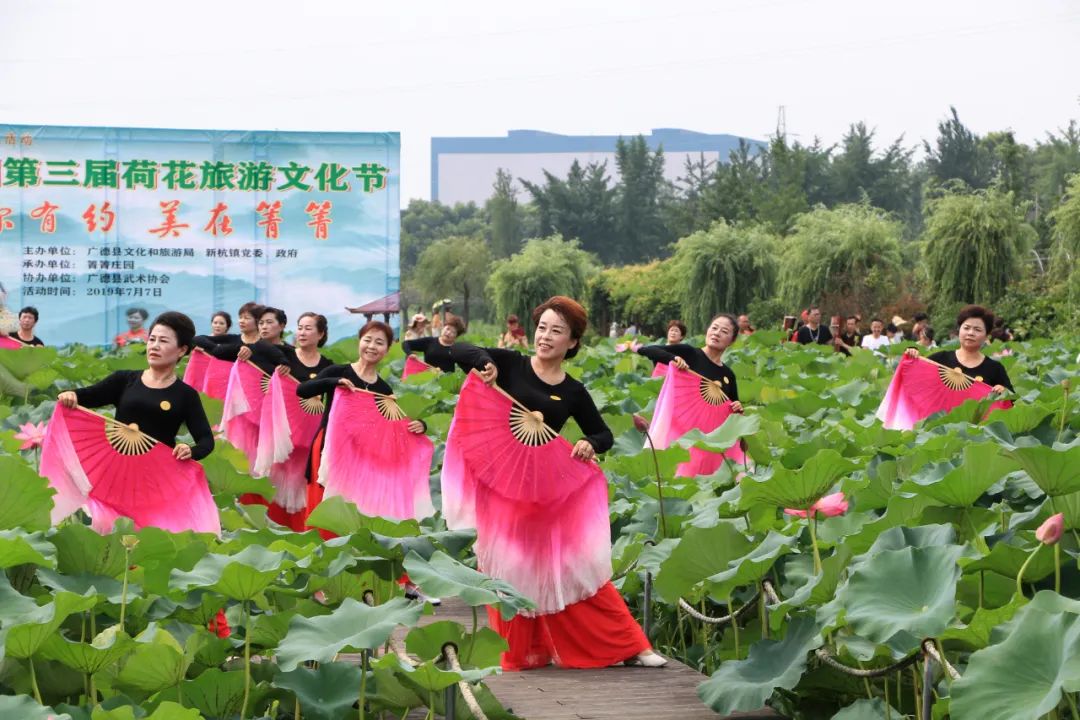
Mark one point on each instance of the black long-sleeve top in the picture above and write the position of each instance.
(327, 381)
(264, 355)
(558, 403)
(208, 341)
(435, 353)
(159, 412)
(698, 361)
(989, 371)
(299, 370)
(32, 342)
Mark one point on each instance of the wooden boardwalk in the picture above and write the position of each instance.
(622, 693)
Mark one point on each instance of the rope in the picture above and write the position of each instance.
(929, 646)
(689, 610)
(832, 662)
(770, 593)
(395, 644)
(450, 653)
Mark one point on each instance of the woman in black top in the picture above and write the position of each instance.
(155, 399)
(304, 361)
(973, 324)
(707, 361)
(28, 318)
(438, 351)
(541, 384)
(249, 345)
(220, 324)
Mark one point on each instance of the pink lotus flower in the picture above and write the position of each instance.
(32, 435)
(829, 506)
(1050, 531)
(641, 423)
(632, 346)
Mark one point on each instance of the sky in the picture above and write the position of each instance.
(467, 68)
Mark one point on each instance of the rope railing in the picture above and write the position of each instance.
(825, 657)
(689, 610)
(929, 647)
(450, 653)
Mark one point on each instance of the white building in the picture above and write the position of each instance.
(463, 168)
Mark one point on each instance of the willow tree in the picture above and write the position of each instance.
(453, 266)
(974, 245)
(723, 269)
(846, 258)
(544, 267)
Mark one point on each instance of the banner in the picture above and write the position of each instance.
(97, 221)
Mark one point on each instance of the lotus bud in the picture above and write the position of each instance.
(641, 423)
(1050, 531)
(130, 542)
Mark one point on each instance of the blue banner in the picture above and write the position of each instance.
(95, 221)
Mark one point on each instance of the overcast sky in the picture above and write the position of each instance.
(568, 66)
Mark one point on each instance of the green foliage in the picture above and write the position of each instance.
(581, 207)
(545, 267)
(723, 269)
(505, 214)
(453, 267)
(846, 259)
(645, 294)
(639, 217)
(974, 246)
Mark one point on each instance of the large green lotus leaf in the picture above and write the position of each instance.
(1022, 677)
(751, 567)
(1006, 559)
(427, 677)
(226, 481)
(961, 486)
(427, 642)
(1021, 418)
(89, 585)
(701, 552)
(158, 661)
(629, 458)
(976, 634)
(23, 707)
(18, 547)
(354, 625)
(164, 711)
(217, 694)
(899, 537)
(723, 437)
(241, 577)
(1069, 506)
(797, 488)
(326, 693)
(745, 685)
(27, 361)
(25, 498)
(341, 517)
(27, 633)
(1055, 470)
(443, 576)
(910, 593)
(81, 551)
(110, 646)
(808, 588)
(867, 710)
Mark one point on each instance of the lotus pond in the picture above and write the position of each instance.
(929, 594)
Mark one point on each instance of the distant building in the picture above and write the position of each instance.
(463, 168)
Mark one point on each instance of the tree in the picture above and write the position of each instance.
(782, 193)
(859, 173)
(502, 209)
(544, 267)
(581, 207)
(957, 154)
(723, 269)
(646, 294)
(847, 257)
(454, 266)
(974, 245)
(424, 222)
(639, 215)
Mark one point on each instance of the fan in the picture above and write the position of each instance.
(286, 428)
(216, 380)
(371, 459)
(8, 343)
(243, 406)
(659, 370)
(921, 387)
(114, 470)
(415, 367)
(543, 524)
(688, 401)
(195, 372)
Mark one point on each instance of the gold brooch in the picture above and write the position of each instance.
(555, 397)
(166, 405)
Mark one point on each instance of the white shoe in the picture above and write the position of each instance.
(648, 659)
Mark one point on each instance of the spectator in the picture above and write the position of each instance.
(418, 327)
(895, 329)
(632, 330)
(850, 338)
(926, 337)
(813, 332)
(919, 320)
(745, 328)
(136, 333)
(838, 344)
(514, 335)
(676, 332)
(28, 318)
(875, 340)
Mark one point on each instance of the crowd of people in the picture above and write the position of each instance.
(158, 402)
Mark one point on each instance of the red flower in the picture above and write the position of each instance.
(219, 625)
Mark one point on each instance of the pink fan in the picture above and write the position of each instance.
(248, 386)
(195, 372)
(688, 401)
(415, 367)
(216, 380)
(113, 470)
(286, 429)
(921, 387)
(371, 459)
(7, 343)
(659, 370)
(542, 523)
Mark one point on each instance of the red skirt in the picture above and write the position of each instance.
(297, 521)
(592, 633)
